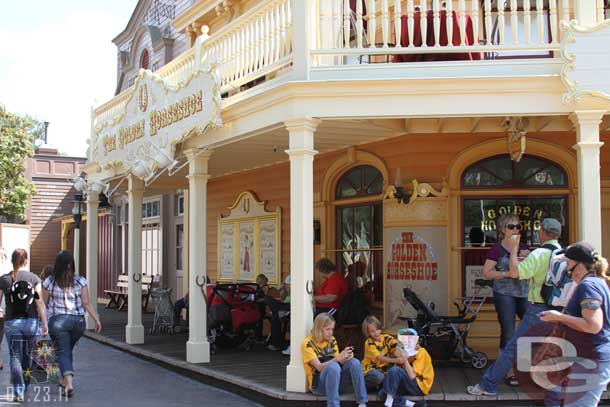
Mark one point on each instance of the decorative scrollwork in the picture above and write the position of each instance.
(422, 190)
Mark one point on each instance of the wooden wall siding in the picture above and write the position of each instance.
(425, 157)
(270, 184)
(51, 174)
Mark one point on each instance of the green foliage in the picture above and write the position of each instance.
(16, 146)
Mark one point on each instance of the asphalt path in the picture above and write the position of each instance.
(111, 378)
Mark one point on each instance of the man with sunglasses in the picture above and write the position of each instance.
(534, 269)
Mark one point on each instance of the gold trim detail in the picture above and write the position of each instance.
(247, 209)
(422, 190)
(574, 95)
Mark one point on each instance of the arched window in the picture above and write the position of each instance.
(144, 59)
(502, 172)
(483, 206)
(359, 231)
(360, 181)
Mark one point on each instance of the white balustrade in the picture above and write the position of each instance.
(444, 26)
(257, 43)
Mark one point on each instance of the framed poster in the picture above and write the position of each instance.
(246, 270)
(415, 258)
(226, 247)
(249, 241)
(268, 248)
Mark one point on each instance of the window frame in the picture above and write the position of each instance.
(512, 185)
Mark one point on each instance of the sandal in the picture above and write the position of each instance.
(512, 381)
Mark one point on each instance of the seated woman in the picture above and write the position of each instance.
(328, 371)
(413, 378)
(279, 310)
(329, 295)
(381, 351)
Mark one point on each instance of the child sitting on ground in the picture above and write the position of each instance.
(381, 351)
(413, 378)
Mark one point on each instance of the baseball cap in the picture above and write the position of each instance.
(551, 225)
(582, 252)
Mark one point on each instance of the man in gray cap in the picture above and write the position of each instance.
(534, 269)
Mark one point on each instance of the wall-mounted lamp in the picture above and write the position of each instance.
(141, 169)
(400, 195)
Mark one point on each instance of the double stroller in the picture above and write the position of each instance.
(445, 337)
(233, 313)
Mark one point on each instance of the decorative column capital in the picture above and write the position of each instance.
(136, 185)
(584, 117)
(301, 124)
(587, 125)
(93, 197)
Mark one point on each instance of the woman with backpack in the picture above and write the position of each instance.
(67, 299)
(24, 311)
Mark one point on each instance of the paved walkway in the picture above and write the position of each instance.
(109, 377)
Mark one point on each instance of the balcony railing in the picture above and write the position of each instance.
(395, 28)
(258, 45)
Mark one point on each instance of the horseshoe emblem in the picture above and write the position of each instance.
(202, 283)
(309, 287)
(137, 277)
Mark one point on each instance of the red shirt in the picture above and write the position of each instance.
(335, 284)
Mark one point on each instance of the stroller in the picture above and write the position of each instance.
(445, 337)
(232, 315)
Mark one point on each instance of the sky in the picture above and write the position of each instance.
(57, 61)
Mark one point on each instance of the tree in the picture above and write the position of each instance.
(16, 146)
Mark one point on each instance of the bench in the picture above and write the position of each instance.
(118, 297)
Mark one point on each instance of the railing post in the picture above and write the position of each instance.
(585, 13)
(304, 31)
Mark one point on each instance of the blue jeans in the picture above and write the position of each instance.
(66, 330)
(588, 398)
(335, 379)
(507, 307)
(20, 336)
(398, 385)
(530, 325)
(374, 379)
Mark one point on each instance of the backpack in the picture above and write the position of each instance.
(353, 308)
(20, 298)
(558, 287)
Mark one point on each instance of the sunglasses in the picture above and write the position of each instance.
(512, 226)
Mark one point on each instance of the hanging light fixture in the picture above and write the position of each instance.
(517, 131)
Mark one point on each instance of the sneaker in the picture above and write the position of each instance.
(477, 390)
(272, 348)
(286, 351)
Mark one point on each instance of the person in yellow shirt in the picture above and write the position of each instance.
(381, 351)
(328, 371)
(413, 378)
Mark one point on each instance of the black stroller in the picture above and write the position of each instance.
(445, 337)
